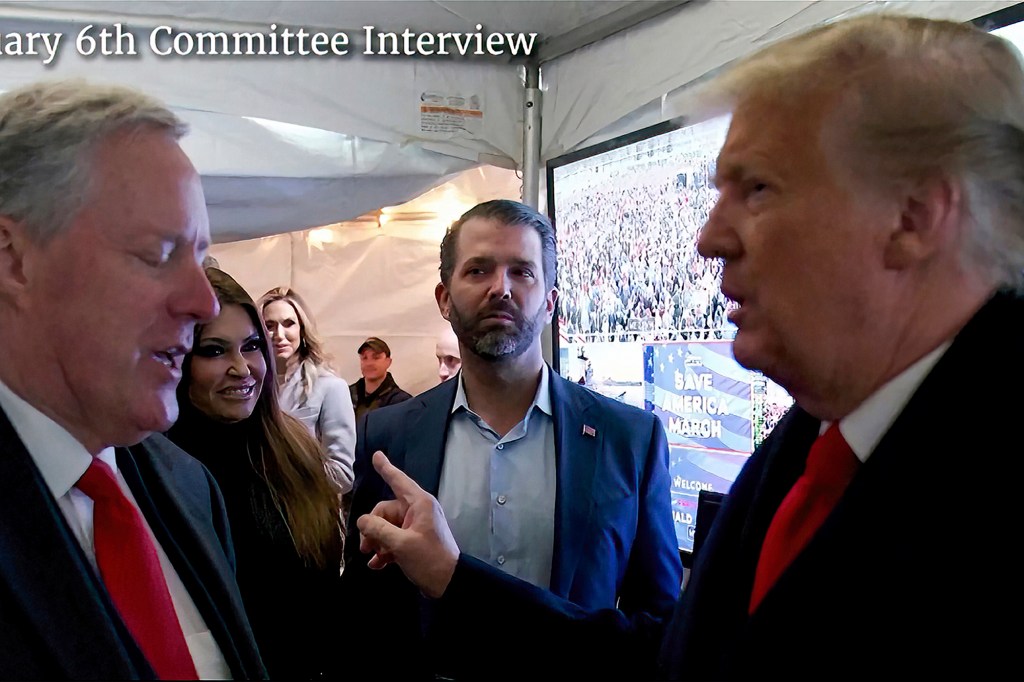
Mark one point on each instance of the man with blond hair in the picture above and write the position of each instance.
(115, 556)
(871, 226)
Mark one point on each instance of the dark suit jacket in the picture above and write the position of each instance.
(614, 538)
(56, 619)
(913, 575)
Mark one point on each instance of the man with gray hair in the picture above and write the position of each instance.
(115, 556)
(871, 226)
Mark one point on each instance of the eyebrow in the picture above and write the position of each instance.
(179, 242)
(255, 336)
(725, 170)
(490, 260)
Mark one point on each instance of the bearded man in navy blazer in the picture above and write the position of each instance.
(103, 230)
(540, 478)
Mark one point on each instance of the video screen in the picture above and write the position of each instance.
(641, 317)
(1007, 23)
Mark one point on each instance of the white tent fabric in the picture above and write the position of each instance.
(296, 177)
(289, 143)
(371, 277)
(627, 75)
(358, 139)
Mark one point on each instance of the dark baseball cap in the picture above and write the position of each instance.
(376, 345)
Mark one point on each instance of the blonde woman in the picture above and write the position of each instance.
(307, 387)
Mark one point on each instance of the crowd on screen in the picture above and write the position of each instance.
(628, 266)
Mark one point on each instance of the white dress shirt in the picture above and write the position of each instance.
(62, 460)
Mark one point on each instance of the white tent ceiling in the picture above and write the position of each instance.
(287, 143)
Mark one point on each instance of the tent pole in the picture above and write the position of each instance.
(531, 166)
(531, 137)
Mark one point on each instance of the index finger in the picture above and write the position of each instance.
(404, 487)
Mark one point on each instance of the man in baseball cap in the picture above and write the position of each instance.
(377, 388)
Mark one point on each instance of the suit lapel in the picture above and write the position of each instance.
(575, 463)
(426, 436)
(41, 559)
(785, 458)
(785, 454)
(189, 552)
(146, 492)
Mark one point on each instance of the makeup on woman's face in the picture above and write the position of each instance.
(228, 366)
(284, 328)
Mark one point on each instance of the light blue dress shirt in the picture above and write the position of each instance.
(498, 494)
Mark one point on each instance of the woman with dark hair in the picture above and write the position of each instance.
(308, 388)
(281, 502)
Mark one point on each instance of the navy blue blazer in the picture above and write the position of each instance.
(615, 540)
(56, 618)
(913, 574)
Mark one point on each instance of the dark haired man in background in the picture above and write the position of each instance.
(539, 477)
(376, 388)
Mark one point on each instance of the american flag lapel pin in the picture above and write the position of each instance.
(589, 430)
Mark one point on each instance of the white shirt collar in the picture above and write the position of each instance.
(864, 427)
(541, 399)
(59, 457)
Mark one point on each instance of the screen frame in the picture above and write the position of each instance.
(1000, 18)
(611, 144)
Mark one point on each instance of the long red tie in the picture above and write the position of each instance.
(130, 568)
(830, 466)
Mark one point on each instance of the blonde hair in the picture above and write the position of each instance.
(311, 346)
(917, 98)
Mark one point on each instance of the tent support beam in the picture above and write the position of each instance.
(622, 19)
(531, 137)
(531, 165)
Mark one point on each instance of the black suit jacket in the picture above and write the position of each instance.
(614, 538)
(56, 618)
(913, 575)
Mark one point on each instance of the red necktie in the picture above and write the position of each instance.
(830, 466)
(130, 568)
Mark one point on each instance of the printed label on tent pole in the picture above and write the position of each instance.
(444, 113)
